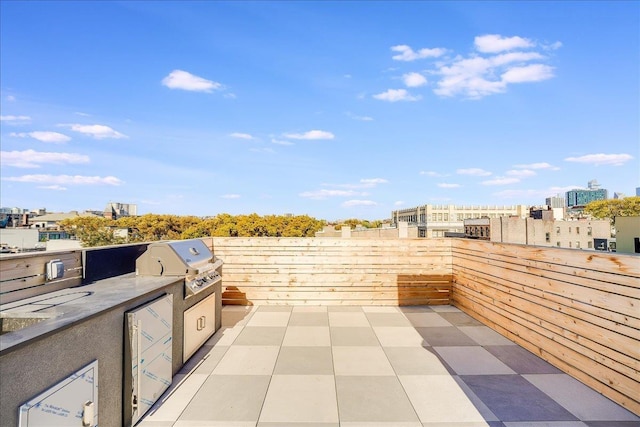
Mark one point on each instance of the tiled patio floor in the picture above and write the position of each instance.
(372, 366)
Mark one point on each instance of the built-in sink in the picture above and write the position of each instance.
(22, 314)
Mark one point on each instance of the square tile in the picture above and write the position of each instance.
(309, 309)
(260, 335)
(521, 360)
(581, 400)
(274, 308)
(381, 424)
(304, 361)
(225, 336)
(428, 319)
(344, 308)
(611, 423)
(445, 336)
(484, 335)
(373, 399)
(398, 336)
(513, 398)
(235, 317)
(415, 309)
(210, 360)
(248, 360)
(546, 424)
(380, 309)
(171, 405)
(387, 319)
(414, 361)
(438, 398)
(261, 318)
(306, 424)
(472, 360)
(460, 319)
(353, 336)
(484, 410)
(314, 336)
(347, 319)
(361, 361)
(301, 399)
(308, 319)
(228, 398)
(445, 309)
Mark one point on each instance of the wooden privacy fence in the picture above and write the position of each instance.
(321, 271)
(579, 310)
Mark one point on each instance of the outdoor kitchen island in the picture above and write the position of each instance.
(74, 328)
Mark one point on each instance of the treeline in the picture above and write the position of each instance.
(99, 231)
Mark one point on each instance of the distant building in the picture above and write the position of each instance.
(555, 202)
(402, 230)
(438, 220)
(577, 199)
(628, 234)
(117, 210)
(618, 195)
(578, 234)
(637, 191)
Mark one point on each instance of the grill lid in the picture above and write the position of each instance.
(175, 258)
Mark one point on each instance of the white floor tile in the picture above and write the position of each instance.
(248, 360)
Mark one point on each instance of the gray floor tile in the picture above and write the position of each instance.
(373, 399)
(428, 319)
(304, 361)
(352, 336)
(269, 318)
(248, 360)
(301, 399)
(612, 423)
(521, 360)
(414, 361)
(580, 400)
(513, 398)
(298, 424)
(228, 398)
(460, 319)
(415, 309)
(484, 335)
(545, 424)
(309, 309)
(380, 309)
(439, 399)
(314, 336)
(361, 361)
(484, 410)
(466, 360)
(344, 308)
(225, 336)
(445, 336)
(445, 309)
(309, 319)
(353, 319)
(210, 360)
(387, 319)
(260, 335)
(275, 308)
(235, 317)
(398, 336)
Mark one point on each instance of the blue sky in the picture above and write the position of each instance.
(331, 109)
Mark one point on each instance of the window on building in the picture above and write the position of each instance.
(570, 244)
(569, 230)
(577, 230)
(558, 244)
(547, 237)
(557, 230)
(460, 217)
(440, 217)
(577, 244)
(590, 245)
(446, 217)
(589, 231)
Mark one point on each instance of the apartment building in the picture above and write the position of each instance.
(436, 220)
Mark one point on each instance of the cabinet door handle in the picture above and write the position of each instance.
(202, 323)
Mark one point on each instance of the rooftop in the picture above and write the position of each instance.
(372, 366)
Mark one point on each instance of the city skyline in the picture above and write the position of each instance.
(333, 110)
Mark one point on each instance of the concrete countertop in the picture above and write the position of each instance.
(61, 309)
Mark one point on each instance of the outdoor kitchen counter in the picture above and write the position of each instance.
(68, 307)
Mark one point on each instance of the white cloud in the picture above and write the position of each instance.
(230, 196)
(399, 203)
(601, 159)
(53, 187)
(501, 181)
(96, 131)
(323, 194)
(414, 80)
(372, 182)
(241, 135)
(541, 165)
(179, 79)
(66, 179)
(11, 98)
(361, 118)
(351, 203)
(492, 43)
(432, 173)
(33, 159)
(446, 185)
(43, 136)
(473, 172)
(522, 173)
(11, 119)
(528, 73)
(394, 95)
(312, 134)
(408, 54)
(281, 142)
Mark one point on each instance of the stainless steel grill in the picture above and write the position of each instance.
(190, 259)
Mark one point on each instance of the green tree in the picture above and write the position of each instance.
(92, 231)
(611, 208)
